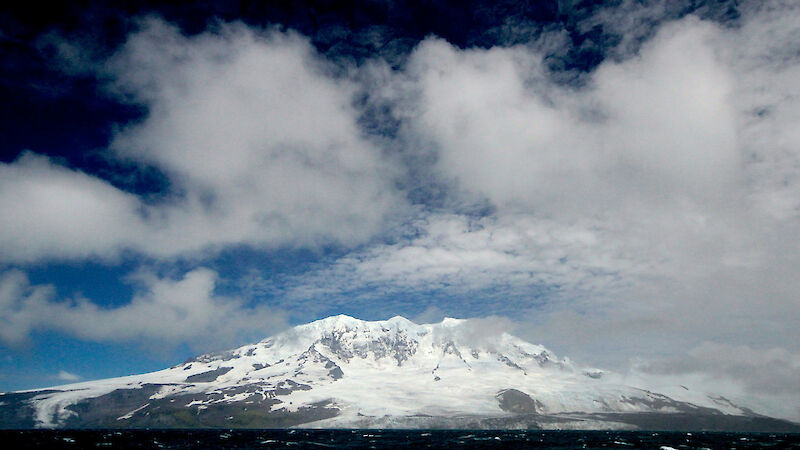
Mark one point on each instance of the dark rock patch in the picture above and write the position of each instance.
(507, 361)
(16, 410)
(218, 356)
(397, 346)
(251, 414)
(518, 402)
(104, 410)
(207, 377)
(289, 386)
(658, 401)
(336, 373)
(724, 401)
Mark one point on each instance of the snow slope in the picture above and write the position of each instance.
(345, 372)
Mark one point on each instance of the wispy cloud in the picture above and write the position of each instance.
(501, 258)
(63, 375)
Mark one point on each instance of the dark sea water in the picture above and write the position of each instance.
(358, 439)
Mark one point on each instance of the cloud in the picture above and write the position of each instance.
(654, 205)
(256, 134)
(164, 311)
(771, 371)
(477, 333)
(653, 157)
(765, 379)
(656, 128)
(431, 314)
(48, 211)
(258, 140)
(645, 210)
(20, 306)
(454, 254)
(63, 375)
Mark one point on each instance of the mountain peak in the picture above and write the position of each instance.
(337, 320)
(401, 320)
(344, 322)
(340, 321)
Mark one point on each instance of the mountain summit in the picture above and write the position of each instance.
(341, 372)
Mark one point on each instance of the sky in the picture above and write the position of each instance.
(618, 181)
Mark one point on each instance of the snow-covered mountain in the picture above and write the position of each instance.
(344, 372)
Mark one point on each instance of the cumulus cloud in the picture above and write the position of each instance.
(166, 311)
(255, 134)
(658, 128)
(656, 203)
(259, 136)
(48, 211)
(653, 156)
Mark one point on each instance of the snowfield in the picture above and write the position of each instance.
(345, 372)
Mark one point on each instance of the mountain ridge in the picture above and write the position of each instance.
(342, 372)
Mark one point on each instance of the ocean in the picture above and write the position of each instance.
(368, 439)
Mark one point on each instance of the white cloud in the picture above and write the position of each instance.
(654, 158)
(659, 127)
(466, 255)
(166, 311)
(21, 305)
(659, 199)
(479, 333)
(47, 211)
(431, 314)
(257, 137)
(63, 375)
